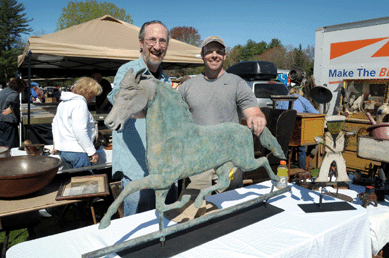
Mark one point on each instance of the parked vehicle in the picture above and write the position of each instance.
(261, 77)
(351, 51)
(356, 56)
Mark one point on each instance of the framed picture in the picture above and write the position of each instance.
(83, 187)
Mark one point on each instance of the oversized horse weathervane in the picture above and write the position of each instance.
(178, 148)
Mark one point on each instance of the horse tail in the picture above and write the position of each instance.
(148, 182)
(270, 142)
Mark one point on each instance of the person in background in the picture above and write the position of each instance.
(301, 105)
(217, 97)
(39, 93)
(182, 80)
(102, 103)
(73, 126)
(129, 145)
(33, 95)
(10, 113)
(57, 94)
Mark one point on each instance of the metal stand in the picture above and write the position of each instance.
(173, 229)
(322, 185)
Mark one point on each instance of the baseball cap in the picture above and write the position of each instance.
(213, 39)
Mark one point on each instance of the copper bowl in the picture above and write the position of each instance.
(35, 149)
(379, 131)
(4, 152)
(22, 175)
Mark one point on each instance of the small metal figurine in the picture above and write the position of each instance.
(334, 146)
(368, 197)
(348, 98)
(302, 175)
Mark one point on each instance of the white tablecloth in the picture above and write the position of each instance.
(17, 152)
(378, 218)
(292, 233)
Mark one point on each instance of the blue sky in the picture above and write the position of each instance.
(292, 22)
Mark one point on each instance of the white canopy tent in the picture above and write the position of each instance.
(104, 43)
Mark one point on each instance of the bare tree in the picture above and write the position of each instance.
(185, 34)
(233, 56)
(275, 55)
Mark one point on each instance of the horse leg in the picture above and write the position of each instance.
(270, 142)
(223, 182)
(160, 198)
(264, 162)
(148, 182)
(161, 206)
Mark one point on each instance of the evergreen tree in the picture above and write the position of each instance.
(275, 43)
(299, 57)
(13, 23)
(252, 49)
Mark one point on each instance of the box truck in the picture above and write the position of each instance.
(357, 51)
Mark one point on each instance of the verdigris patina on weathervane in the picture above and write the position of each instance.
(178, 148)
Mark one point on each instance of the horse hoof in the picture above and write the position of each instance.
(198, 202)
(104, 223)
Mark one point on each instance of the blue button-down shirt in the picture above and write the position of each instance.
(129, 145)
(301, 105)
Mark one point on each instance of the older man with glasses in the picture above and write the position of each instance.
(129, 145)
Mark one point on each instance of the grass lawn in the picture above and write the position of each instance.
(15, 237)
(46, 227)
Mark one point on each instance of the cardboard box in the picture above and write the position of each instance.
(50, 100)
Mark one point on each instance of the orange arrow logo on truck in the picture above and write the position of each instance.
(342, 48)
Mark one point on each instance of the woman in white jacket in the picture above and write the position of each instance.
(74, 127)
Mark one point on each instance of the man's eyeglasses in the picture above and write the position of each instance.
(153, 41)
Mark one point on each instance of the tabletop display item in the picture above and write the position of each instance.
(36, 149)
(334, 147)
(378, 130)
(4, 152)
(83, 187)
(371, 148)
(178, 148)
(22, 175)
(368, 197)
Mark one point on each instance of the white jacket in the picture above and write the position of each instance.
(73, 125)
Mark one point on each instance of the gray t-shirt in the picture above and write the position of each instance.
(219, 100)
(10, 98)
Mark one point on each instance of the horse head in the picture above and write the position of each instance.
(135, 91)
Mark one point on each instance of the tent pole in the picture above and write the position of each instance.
(29, 98)
(18, 75)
